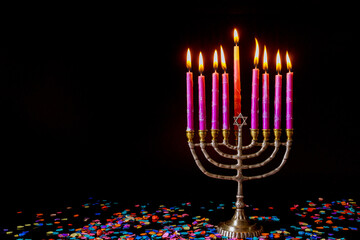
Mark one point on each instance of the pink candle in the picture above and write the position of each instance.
(237, 85)
(189, 95)
(225, 101)
(202, 101)
(265, 93)
(255, 91)
(215, 96)
(289, 95)
(277, 100)
(225, 93)
(255, 99)
(265, 100)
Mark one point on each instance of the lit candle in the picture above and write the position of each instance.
(255, 91)
(215, 95)
(225, 92)
(265, 92)
(277, 100)
(289, 94)
(189, 94)
(202, 102)
(237, 85)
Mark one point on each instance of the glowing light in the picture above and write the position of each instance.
(215, 63)
(201, 63)
(278, 62)
(223, 63)
(288, 62)
(265, 61)
(188, 60)
(256, 58)
(236, 37)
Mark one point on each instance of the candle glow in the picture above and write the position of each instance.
(201, 63)
(278, 62)
(236, 37)
(188, 59)
(288, 62)
(215, 63)
(265, 61)
(223, 63)
(256, 58)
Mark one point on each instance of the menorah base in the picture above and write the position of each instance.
(235, 228)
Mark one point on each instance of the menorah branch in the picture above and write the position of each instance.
(272, 156)
(220, 165)
(225, 155)
(228, 145)
(251, 145)
(203, 170)
(286, 155)
(258, 153)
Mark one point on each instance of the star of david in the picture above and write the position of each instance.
(243, 122)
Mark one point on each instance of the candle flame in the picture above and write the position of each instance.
(278, 62)
(188, 60)
(201, 63)
(223, 63)
(256, 58)
(265, 61)
(236, 37)
(288, 62)
(215, 64)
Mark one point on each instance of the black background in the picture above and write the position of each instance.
(93, 99)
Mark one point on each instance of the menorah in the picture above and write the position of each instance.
(239, 226)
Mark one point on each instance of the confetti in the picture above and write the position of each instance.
(101, 219)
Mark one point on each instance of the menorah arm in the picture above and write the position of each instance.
(265, 144)
(220, 165)
(272, 156)
(228, 145)
(252, 144)
(232, 147)
(203, 170)
(286, 155)
(225, 155)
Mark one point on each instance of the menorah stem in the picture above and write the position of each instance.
(239, 226)
(240, 205)
(240, 195)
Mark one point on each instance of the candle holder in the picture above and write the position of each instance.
(239, 226)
